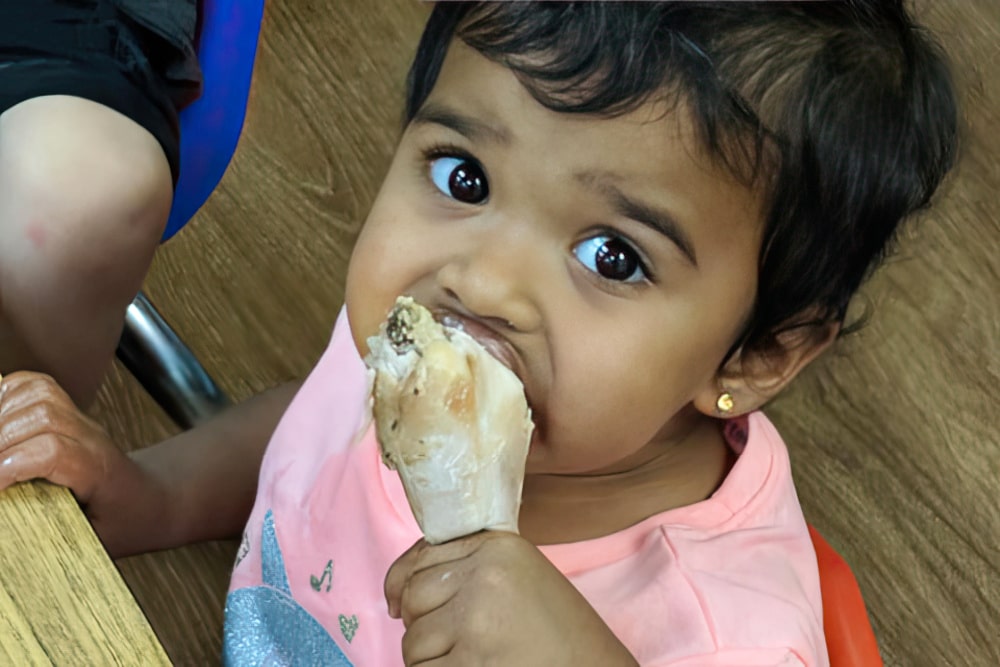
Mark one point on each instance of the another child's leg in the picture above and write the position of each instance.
(84, 196)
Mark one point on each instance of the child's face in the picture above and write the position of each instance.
(607, 257)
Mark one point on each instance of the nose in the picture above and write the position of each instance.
(495, 280)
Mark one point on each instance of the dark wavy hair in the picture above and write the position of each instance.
(842, 112)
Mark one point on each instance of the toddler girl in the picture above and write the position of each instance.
(656, 214)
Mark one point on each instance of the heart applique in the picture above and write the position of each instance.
(348, 626)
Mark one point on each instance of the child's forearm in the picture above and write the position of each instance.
(205, 479)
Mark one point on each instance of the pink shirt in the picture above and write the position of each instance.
(731, 580)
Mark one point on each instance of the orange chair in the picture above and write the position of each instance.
(850, 640)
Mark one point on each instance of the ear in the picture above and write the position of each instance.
(754, 377)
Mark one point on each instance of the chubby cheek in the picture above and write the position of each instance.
(592, 430)
(604, 411)
(378, 269)
(394, 254)
(370, 291)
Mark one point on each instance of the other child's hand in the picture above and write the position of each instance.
(493, 598)
(44, 436)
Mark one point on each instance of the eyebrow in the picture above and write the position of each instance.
(469, 127)
(656, 219)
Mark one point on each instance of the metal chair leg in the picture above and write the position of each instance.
(166, 367)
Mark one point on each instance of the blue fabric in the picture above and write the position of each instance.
(211, 126)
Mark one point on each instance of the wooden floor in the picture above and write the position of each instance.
(894, 434)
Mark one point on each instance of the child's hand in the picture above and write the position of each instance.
(44, 436)
(493, 598)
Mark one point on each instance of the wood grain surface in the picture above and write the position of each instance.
(893, 434)
(62, 602)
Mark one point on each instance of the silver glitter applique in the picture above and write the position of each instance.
(266, 626)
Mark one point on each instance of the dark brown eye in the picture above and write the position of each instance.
(612, 258)
(460, 178)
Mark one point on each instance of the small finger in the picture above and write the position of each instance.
(25, 422)
(429, 639)
(20, 389)
(20, 378)
(398, 574)
(48, 456)
(32, 459)
(422, 556)
(427, 590)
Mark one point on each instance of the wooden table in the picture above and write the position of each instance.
(62, 602)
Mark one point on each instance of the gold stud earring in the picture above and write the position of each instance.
(725, 403)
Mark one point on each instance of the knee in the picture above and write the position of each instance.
(85, 198)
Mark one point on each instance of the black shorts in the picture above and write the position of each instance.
(134, 56)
